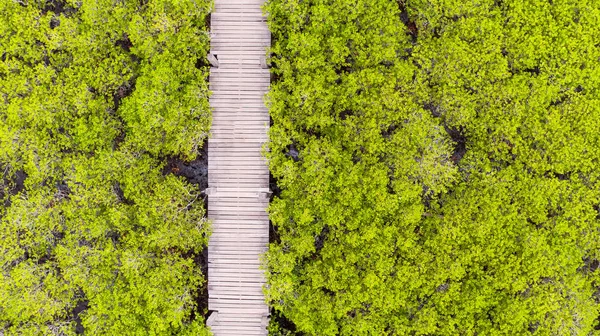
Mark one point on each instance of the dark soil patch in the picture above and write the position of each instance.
(11, 185)
(123, 91)
(589, 265)
(207, 21)
(63, 189)
(460, 143)
(202, 63)
(20, 177)
(411, 27)
(120, 195)
(293, 152)
(345, 114)
(433, 109)
(285, 326)
(195, 172)
(388, 131)
(81, 306)
(321, 238)
(119, 138)
(560, 176)
(533, 71)
(58, 7)
(275, 192)
(124, 42)
(54, 22)
(275, 76)
(201, 294)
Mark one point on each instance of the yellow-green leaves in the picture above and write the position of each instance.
(438, 164)
(95, 236)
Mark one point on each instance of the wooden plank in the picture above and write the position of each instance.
(261, 84)
(239, 172)
(219, 214)
(224, 239)
(241, 111)
(261, 181)
(241, 251)
(240, 132)
(232, 118)
(233, 288)
(240, 7)
(244, 258)
(248, 158)
(216, 276)
(250, 303)
(235, 285)
(243, 20)
(240, 167)
(242, 183)
(243, 9)
(223, 261)
(236, 192)
(227, 332)
(259, 296)
(225, 266)
(243, 203)
(241, 29)
(255, 164)
(239, 64)
(241, 235)
(228, 233)
(247, 103)
(243, 138)
(257, 241)
(232, 18)
(250, 320)
(239, 4)
(254, 126)
(228, 273)
(240, 115)
(217, 47)
(237, 145)
(236, 154)
(252, 181)
(256, 293)
(261, 78)
(229, 223)
(232, 308)
(246, 87)
(223, 233)
(245, 141)
(246, 74)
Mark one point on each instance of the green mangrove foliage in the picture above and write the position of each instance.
(438, 165)
(95, 235)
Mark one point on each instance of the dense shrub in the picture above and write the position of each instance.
(95, 235)
(438, 162)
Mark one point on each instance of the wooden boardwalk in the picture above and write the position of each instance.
(238, 192)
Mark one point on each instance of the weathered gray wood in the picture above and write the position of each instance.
(212, 319)
(213, 60)
(238, 174)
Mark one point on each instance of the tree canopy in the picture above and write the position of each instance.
(438, 165)
(97, 235)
